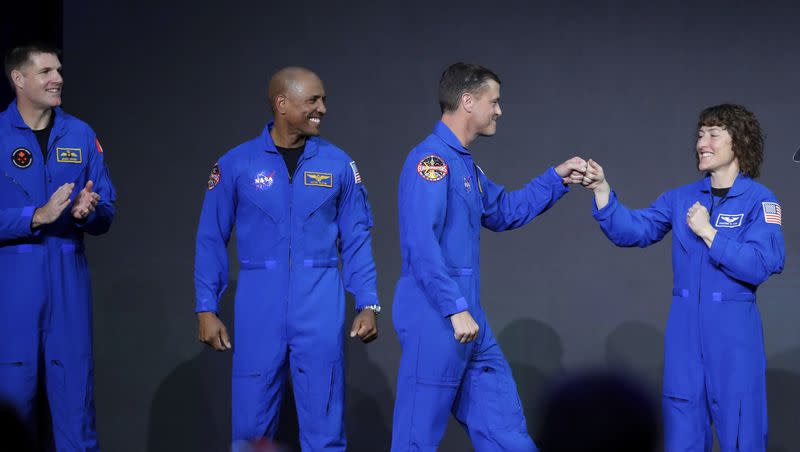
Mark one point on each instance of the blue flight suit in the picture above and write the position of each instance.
(289, 305)
(714, 362)
(46, 306)
(444, 199)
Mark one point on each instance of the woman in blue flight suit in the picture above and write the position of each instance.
(727, 241)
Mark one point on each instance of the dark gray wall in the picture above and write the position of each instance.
(170, 88)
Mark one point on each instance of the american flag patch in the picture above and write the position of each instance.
(772, 212)
(356, 174)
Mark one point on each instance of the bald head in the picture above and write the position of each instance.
(290, 81)
(297, 98)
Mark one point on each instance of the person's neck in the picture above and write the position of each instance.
(284, 138)
(35, 118)
(724, 177)
(460, 128)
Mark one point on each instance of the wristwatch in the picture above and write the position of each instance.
(375, 307)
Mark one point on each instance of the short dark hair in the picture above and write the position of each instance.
(20, 55)
(746, 136)
(462, 78)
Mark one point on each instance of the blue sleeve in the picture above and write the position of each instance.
(643, 227)
(355, 242)
(423, 206)
(15, 223)
(99, 221)
(217, 218)
(509, 210)
(756, 253)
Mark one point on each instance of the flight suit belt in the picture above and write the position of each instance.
(28, 248)
(452, 271)
(719, 296)
(269, 264)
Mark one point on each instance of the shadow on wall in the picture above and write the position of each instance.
(783, 398)
(535, 352)
(370, 400)
(638, 349)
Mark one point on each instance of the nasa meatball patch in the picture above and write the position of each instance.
(213, 178)
(432, 168)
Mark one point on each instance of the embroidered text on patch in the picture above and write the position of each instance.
(725, 220)
(316, 179)
(772, 212)
(69, 155)
(432, 168)
(356, 174)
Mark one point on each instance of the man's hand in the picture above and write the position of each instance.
(698, 219)
(365, 326)
(572, 170)
(212, 331)
(50, 212)
(85, 202)
(464, 327)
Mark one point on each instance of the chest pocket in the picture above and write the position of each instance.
(266, 191)
(68, 164)
(316, 195)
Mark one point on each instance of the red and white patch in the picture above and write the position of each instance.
(432, 168)
(97, 143)
(772, 212)
(213, 178)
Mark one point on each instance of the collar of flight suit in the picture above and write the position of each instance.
(445, 134)
(311, 149)
(59, 125)
(740, 185)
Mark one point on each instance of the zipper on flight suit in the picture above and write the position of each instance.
(700, 285)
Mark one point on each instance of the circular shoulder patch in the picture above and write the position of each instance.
(213, 178)
(432, 168)
(22, 158)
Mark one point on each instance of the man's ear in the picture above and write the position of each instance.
(467, 101)
(17, 78)
(280, 103)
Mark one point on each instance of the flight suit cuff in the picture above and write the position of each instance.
(551, 177)
(605, 212)
(718, 248)
(26, 222)
(454, 307)
(86, 221)
(206, 305)
(366, 299)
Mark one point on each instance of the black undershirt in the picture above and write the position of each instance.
(291, 156)
(720, 192)
(43, 136)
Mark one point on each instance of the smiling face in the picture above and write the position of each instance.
(304, 106)
(486, 109)
(714, 149)
(38, 82)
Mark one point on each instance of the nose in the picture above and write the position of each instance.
(702, 141)
(321, 107)
(498, 111)
(58, 78)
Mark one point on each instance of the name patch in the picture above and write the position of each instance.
(316, 179)
(726, 220)
(69, 155)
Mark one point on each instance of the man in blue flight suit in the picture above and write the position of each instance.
(298, 202)
(727, 240)
(451, 360)
(46, 307)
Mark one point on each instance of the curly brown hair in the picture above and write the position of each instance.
(746, 136)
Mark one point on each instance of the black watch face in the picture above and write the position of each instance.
(797, 156)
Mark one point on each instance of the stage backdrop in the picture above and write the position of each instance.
(170, 88)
